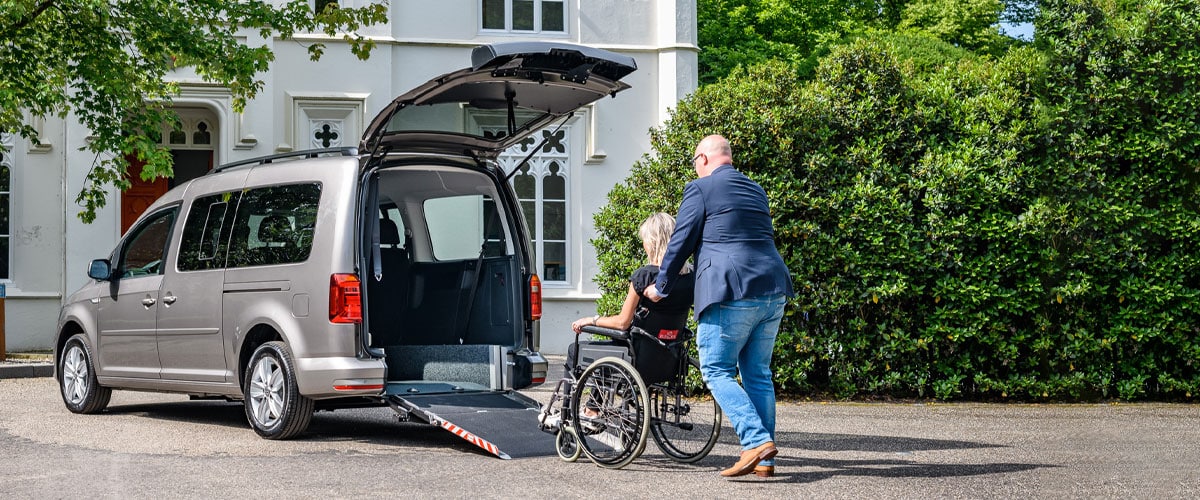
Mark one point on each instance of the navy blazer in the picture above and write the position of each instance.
(724, 220)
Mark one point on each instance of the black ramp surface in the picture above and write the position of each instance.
(501, 419)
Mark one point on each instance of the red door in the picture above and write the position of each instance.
(140, 194)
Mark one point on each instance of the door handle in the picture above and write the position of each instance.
(148, 301)
(169, 299)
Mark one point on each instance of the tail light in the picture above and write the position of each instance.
(345, 299)
(535, 297)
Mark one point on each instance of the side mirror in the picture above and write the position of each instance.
(100, 270)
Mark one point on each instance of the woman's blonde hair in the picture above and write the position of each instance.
(655, 233)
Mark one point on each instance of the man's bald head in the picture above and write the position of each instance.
(712, 152)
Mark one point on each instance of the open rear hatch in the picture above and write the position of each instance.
(448, 275)
(524, 85)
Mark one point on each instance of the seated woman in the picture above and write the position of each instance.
(657, 318)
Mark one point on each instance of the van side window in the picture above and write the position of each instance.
(462, 227)
(144, 251)
(206, 232)
(274, 225)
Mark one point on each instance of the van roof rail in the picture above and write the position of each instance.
(307, 153)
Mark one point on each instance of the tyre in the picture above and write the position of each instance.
(685, 423)
(610, 413)
(77, 378)
(274, 405)
(566, 445)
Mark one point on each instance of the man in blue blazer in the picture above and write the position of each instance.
(741, 286)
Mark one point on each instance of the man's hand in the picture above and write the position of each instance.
(651, 292)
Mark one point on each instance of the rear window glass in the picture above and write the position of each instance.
(274, 225)
(477, 118)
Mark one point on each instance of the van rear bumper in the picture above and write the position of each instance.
(322, 378)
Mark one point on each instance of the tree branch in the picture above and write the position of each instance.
(30, 17)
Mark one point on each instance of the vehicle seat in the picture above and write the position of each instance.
(388, 297)
(658, 360)
(276, 234)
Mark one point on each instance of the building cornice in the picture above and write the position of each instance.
(436, 42)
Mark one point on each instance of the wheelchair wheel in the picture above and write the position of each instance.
(610, 414)
(566, 445)
(685, 423)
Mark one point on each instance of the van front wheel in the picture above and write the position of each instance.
(77, 378)
(274, 405)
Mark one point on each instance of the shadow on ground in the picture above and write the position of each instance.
(379, 427)
(793, 467)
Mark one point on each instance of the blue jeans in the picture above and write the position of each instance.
(739, 336)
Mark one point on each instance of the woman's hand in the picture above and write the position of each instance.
(578, 325)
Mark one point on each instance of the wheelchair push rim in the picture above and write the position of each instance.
(610, 413)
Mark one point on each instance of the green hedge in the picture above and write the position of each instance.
(965, 226)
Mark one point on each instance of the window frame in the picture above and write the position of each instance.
(7, 159)
(537, 20)
(118, 259)
(540, 166)
(235, 253)
(221, 250)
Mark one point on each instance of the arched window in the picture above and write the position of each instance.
(542, 188)
(201, 135)
(320, 5)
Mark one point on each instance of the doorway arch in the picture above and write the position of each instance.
(193, 142)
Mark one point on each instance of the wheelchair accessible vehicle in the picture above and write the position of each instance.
(618, 392)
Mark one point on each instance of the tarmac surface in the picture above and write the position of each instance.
(164, 446)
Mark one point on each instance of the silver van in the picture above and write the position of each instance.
(395, 273)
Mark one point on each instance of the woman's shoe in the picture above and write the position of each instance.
(764, 470)
(750, 458)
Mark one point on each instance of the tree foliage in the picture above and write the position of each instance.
(735, 33)
(967, 225)
(107, 62)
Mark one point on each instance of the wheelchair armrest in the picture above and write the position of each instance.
(605, 332)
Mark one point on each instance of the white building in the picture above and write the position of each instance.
(304, 105)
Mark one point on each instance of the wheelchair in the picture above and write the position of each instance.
(627, 388)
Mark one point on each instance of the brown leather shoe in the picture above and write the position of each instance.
(751, 458)
(764, 470)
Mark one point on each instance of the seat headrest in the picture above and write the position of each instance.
(275, 229)
(388, 233)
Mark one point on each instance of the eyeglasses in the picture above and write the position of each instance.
(697, 157)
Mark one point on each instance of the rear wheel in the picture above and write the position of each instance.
(274, 405)
(77, 378)
(685, 424)
(609, 413)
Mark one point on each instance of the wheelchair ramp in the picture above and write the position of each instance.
(504, 424)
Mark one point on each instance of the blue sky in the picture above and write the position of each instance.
(1023, 31)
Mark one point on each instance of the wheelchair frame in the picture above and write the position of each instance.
(605, 410)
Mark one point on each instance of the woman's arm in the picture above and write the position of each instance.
(621, 321)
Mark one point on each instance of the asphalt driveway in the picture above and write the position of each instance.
(160, 445)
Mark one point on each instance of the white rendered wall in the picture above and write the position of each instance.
(52, 248)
